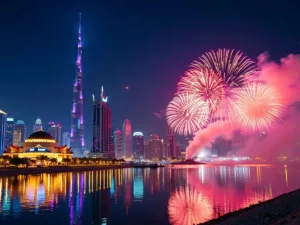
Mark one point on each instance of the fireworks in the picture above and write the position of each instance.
(187, 114)
(205, 84)
(231, 65)
(257, 107)
(187, 206)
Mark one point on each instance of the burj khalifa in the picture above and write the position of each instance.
(77, 128)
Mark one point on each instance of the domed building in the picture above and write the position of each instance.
(39, 143)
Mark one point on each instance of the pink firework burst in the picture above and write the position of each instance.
(187, 206)
(187, 114)
(257, 107)
(206, 85)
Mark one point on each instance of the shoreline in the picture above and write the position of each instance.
(56, 169)
(283, 209)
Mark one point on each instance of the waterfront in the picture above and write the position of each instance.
(141, 196)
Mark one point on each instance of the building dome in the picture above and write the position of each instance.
(40, 136)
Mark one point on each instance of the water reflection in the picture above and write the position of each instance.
(180, 195)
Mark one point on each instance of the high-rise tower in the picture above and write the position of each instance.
(38, 125)
(77, 128)
(126, 140)
(138, 145)
(3, 117)
(101, 127)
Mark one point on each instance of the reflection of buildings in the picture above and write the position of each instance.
(128, 175)
(39, 143)
(138, 185)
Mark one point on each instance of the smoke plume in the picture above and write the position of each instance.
(283, 138)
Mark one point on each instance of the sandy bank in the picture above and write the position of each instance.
(282, 210)
(58, 169)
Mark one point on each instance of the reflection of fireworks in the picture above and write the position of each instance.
(186, 114)
(232, 65)
(187, 207)
(205, 84)
(257, 107)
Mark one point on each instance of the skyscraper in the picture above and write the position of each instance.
(9, 131)
(155, 147)
(127, 147)
(77, 127)
(55, 131)
(138, 145)
(101, 126)
(118, 144)
(66, 139)
(171, 145)
(3, 117)
(38, 125)
(19, 132)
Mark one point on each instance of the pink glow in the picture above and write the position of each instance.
(82, 142)
(81, 95)
(72, 132)
(74, 108)
(81, 119)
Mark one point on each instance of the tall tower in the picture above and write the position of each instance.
(3, 118)
(127, 146)
(38, 125)
(101, 126)
(138, 145)
(118, 144)
(77, 128)
(171, 144)
(9, 131)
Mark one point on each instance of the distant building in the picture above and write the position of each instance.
(20, 132)
(17, 136)
(10, 123)
(66, 140)
(155, 148)
(39, 143)
(118, 144)
(171, 144)
(165, 148)
(146, 150)
(126, 140)
(3, 118)
(138, 145)
(55, 131)
(38, 125)
(101, 128)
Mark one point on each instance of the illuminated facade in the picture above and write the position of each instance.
(118, 144)
(55, 131)
(155, 148)
(3, 117)
(9, 131)
(19, 131)
(138, 145)
(127, 145)
(101, 127)
(39, 143)
(66, 139)
(77, 127)
(38, 125)
(171, 145)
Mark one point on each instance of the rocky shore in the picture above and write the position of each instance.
(282, 210)
(56, 169)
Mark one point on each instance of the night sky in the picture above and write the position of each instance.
(146, 45)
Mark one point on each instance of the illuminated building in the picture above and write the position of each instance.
(77, 127)
(101, 128)
(146, 150)
(38, 125)
(3, 117)
(165, 148)
(171, 145)
(39, 143)
(66, 139)
(118, 144)
(9, 131)
(19, 133)
(55, 131)
(155, 148)
(126, 140)
(138, 145)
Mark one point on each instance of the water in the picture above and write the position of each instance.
(180, 195)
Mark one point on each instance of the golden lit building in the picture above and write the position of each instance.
(39, 143)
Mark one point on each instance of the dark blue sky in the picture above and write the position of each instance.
(144, 44)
